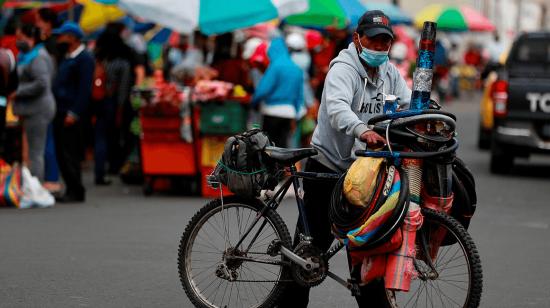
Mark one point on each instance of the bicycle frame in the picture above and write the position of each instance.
(273, 204)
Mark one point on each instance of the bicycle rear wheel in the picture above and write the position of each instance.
(214, 272)
(457, 280)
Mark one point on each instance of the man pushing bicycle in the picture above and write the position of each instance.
(358, 76)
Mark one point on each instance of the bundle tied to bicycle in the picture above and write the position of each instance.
(372, 215)
(376, 210)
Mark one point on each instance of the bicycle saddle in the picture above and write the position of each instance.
(289, 156)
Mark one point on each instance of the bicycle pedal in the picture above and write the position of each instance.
(274, 248)
(353, 286)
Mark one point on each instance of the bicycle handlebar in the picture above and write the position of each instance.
(406, 114)
(400, 154)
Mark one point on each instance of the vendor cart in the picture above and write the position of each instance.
(165, 152)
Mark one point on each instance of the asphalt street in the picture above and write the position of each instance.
(119, 249)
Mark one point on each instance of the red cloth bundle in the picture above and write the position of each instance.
(393, 244)
(373, 267)
(399, 268)
(439, 204)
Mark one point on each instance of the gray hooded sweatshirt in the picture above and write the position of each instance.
(348, 103)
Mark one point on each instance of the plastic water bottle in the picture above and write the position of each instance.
(390, 104)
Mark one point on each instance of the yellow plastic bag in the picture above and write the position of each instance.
(360, 181)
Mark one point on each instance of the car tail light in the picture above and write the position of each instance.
(499, 93)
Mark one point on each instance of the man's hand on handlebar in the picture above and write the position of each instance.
(373, 139)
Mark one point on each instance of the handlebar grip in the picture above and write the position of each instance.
(407, 113)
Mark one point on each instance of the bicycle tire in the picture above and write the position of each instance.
(475, 279)
(200, 219)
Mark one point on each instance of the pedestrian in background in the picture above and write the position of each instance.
(123, 141)
(72, 90)
(300, 56)
(229, 64)
(46, 21)
(282, 91)
(111, 89)
(34, 101)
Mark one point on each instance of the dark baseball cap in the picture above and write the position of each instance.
(373, 23)
(69, 27)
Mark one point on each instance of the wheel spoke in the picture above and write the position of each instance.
(443, 255)
(418, 295)
(208, 245)
(217, 289)
(438, 291)
(208, 287)
(451, 280)
(224, 292)
(450, 299)
(220, 233)
(442, 267)
(452, 267)
(412, 296)
(201, 272)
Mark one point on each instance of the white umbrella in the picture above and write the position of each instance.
(212, 16)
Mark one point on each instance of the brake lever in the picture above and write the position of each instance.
(435, 104)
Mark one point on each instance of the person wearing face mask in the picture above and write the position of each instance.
(46, 21)
(34, 102)
(72, 89)
(356, 76)
(300, 56)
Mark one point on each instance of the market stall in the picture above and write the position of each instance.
(166, 143)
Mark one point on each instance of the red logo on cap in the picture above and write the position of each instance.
(381, 20)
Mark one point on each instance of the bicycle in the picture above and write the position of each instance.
(237, 252)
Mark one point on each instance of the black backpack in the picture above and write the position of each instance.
(244, 167)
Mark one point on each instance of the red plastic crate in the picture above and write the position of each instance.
(161, 136)
(207, 191)
(168, 158)
(160, 123)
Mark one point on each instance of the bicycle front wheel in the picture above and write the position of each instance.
(216, 271)
(457, 280)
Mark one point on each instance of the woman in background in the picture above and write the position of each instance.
(34, 101)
